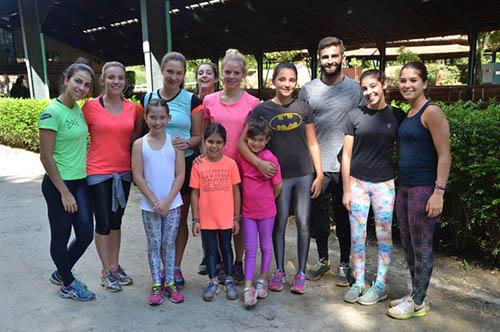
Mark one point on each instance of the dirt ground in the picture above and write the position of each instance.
(464, 298)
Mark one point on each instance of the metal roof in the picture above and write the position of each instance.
(111, 29)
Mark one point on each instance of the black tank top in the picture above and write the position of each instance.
(417, 153)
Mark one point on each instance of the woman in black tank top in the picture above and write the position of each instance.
(424, 165)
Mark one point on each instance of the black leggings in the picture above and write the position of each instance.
(300, 188)
(64, 256)
(209, 238)
(320, 217)
(102, 197)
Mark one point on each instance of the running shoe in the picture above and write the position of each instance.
(249, 297)
(55, 278)
(221, 273)
(407, 309)
(373, 295)
(211, 291)
(156, 295)
(299, 283)
(179, 278)
(353, 294)
(174, 294)
(110, 282)
(123, 278)
(77, 290)
(203, 268)
(318, 270)
(393, 303)
(278, 281)
(262, 289)
(238, 273)
(344, 277)
(231, 290)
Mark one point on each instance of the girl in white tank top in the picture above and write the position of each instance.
(158, 171)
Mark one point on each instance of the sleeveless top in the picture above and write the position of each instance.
(159, 172)
(417, 153)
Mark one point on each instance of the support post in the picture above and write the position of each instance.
(34, 48)
(472, 38)
(156, 40)
(259, 56)
(313, 54)
(381, 46)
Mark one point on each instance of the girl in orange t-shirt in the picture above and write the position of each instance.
(215, 201)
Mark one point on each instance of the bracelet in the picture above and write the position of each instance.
(237, 218)
(439, 187)
(196, 221)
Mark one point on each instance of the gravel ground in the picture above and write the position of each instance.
(463, 298)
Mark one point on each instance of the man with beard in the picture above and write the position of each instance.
(331, 97)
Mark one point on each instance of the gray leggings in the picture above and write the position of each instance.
(300, 188)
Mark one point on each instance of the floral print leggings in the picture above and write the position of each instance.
(381, 197)
(161, 233)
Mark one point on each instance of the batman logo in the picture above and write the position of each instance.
(286, 121)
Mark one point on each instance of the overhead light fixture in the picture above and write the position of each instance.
(349, 11)
(186, 35)
(284, 20)
(226, 29)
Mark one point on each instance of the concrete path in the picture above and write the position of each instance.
(463, 299)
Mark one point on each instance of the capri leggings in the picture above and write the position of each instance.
(161, 233)
(61, 222)
(381, 197)
(300, 188)
(416, 230)
(101, 195)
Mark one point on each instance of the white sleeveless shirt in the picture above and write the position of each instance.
(159, 172)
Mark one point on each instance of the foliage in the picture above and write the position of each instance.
(140, 74)
(19, 122)
(355, 63)
(472, 205)
(440, 74)
(405, 56)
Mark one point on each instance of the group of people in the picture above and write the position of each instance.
(240, 165)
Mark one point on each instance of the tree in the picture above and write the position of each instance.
(405, 56)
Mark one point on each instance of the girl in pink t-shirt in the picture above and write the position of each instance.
(230, 107)
(259, 209)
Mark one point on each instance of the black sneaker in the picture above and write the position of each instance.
(238, 273)
(344, 277)
(316, 272)
(203, 268)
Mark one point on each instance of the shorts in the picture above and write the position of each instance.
(186, 189)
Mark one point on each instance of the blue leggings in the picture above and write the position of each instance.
(61, 222)
(300, 188)
(221, 237)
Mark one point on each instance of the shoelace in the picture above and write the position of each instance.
(156, 290)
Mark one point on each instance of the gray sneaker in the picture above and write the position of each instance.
(123, 278)
(373, 295)
(231, 290)
(353, 294)
(344, 277)
(110, 282)
(316, 272)
(211, 291)
(394, 303)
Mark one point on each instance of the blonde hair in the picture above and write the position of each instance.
(110, 64)
(234, 55)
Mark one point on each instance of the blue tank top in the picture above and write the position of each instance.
(417, 154)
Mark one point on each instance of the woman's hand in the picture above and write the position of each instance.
(236, 227)
(180, 143)
(69, 202)
(267, 168)
(347, 200)
(316, 186)
(198, 160)
(435, 204)
(196, 229)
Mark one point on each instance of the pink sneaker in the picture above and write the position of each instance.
(262, 288)
(299, 283)
(278, 281)
(156, 295)
(174, 293)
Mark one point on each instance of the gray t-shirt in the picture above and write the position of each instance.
(330, 105)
